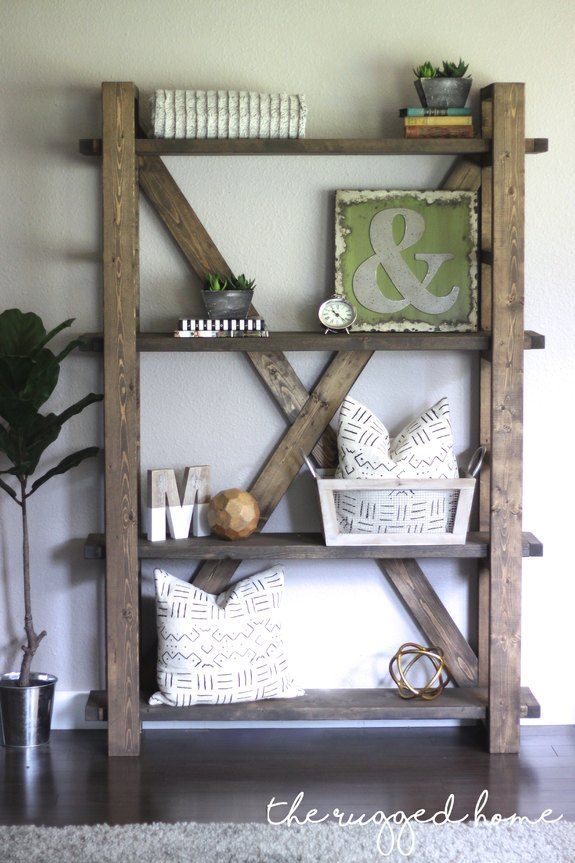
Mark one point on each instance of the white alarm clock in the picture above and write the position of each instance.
(336, 314)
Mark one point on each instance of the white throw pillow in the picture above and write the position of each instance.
(221, 649)
(422, 450)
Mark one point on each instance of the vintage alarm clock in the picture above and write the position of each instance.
(336, 314)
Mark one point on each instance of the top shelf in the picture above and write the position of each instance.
(311, 146)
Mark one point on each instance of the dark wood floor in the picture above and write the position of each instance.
(230, 775)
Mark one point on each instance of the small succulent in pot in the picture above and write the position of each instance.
(228, 296)
(442, 88)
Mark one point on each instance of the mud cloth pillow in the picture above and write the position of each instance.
(221, 649)
(422, 450)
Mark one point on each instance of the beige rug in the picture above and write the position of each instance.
(256, 843)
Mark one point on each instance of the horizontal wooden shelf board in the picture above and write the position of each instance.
(311, 146)
(318, 341)
(298, 546)
(325, 705)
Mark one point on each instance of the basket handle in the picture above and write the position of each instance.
(476, 461)
(309, 464)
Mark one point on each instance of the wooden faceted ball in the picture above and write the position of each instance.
(407, 656)
(233, 514)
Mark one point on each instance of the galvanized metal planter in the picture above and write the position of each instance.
(443, 92)
(227, 304)
(26, 711)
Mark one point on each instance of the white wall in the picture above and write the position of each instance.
(273, 219)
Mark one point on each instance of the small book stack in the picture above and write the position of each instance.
(206, 328)
(437, 122)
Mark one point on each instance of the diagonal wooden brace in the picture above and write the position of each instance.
(275, 370)
(284, 464)
(204, 257)
(414, 589)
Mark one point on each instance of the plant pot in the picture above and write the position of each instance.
(227, 304)
(443, 92)
(26, 711)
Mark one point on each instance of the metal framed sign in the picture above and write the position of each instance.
(408, 260)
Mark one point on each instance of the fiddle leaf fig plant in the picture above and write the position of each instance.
(29, 372)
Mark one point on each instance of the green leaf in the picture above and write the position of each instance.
(8, 444)
(55, 331)
(76, 408)
(20, 333)
(8, 489)
(65, 465)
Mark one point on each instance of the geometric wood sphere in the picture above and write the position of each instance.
(233, 514)
(399, 671)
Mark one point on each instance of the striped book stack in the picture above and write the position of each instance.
(437, 122)
(205, 328)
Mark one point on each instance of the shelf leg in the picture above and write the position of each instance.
(121, 414)
(507, 186)
(483, 573)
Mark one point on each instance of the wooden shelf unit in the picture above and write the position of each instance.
(313, 147)
(298, 546)
(320, 341)
(325, 705)
(487, 679)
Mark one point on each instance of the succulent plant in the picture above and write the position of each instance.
(453, 70)
(240, 283)
(216, 282)
(426, 70)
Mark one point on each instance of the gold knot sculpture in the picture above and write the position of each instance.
(408, 655)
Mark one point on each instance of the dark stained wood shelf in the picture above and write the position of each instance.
(311, 146)
(318, 341)
(324, 705)
(299, 546)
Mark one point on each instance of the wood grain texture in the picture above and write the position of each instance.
(508, 189)
(464, 175)
(284, 464)
(486, 222)
(311, 341)
(203, 256)
(433, 619)
(298, 546)
(121, 414)
(325, 705)
(312, 147)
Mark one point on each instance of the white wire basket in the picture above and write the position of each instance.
(396, 511)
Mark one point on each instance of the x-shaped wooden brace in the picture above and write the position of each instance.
(309, 415)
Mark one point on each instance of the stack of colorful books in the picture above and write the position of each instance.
(437, 122)
(206, 328)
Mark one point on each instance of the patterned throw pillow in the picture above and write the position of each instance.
(221, 649)
(422, 450)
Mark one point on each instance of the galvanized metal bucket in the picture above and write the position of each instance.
(227, 304)
(443, 92)
(26, 711)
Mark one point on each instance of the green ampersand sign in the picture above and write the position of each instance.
(408, 260)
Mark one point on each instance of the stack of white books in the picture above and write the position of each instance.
(189, 328)
(227, 114)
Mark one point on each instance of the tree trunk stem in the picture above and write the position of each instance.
(32, 640)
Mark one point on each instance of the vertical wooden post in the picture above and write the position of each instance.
(121, 414)
(485, 397)
(508, 182)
